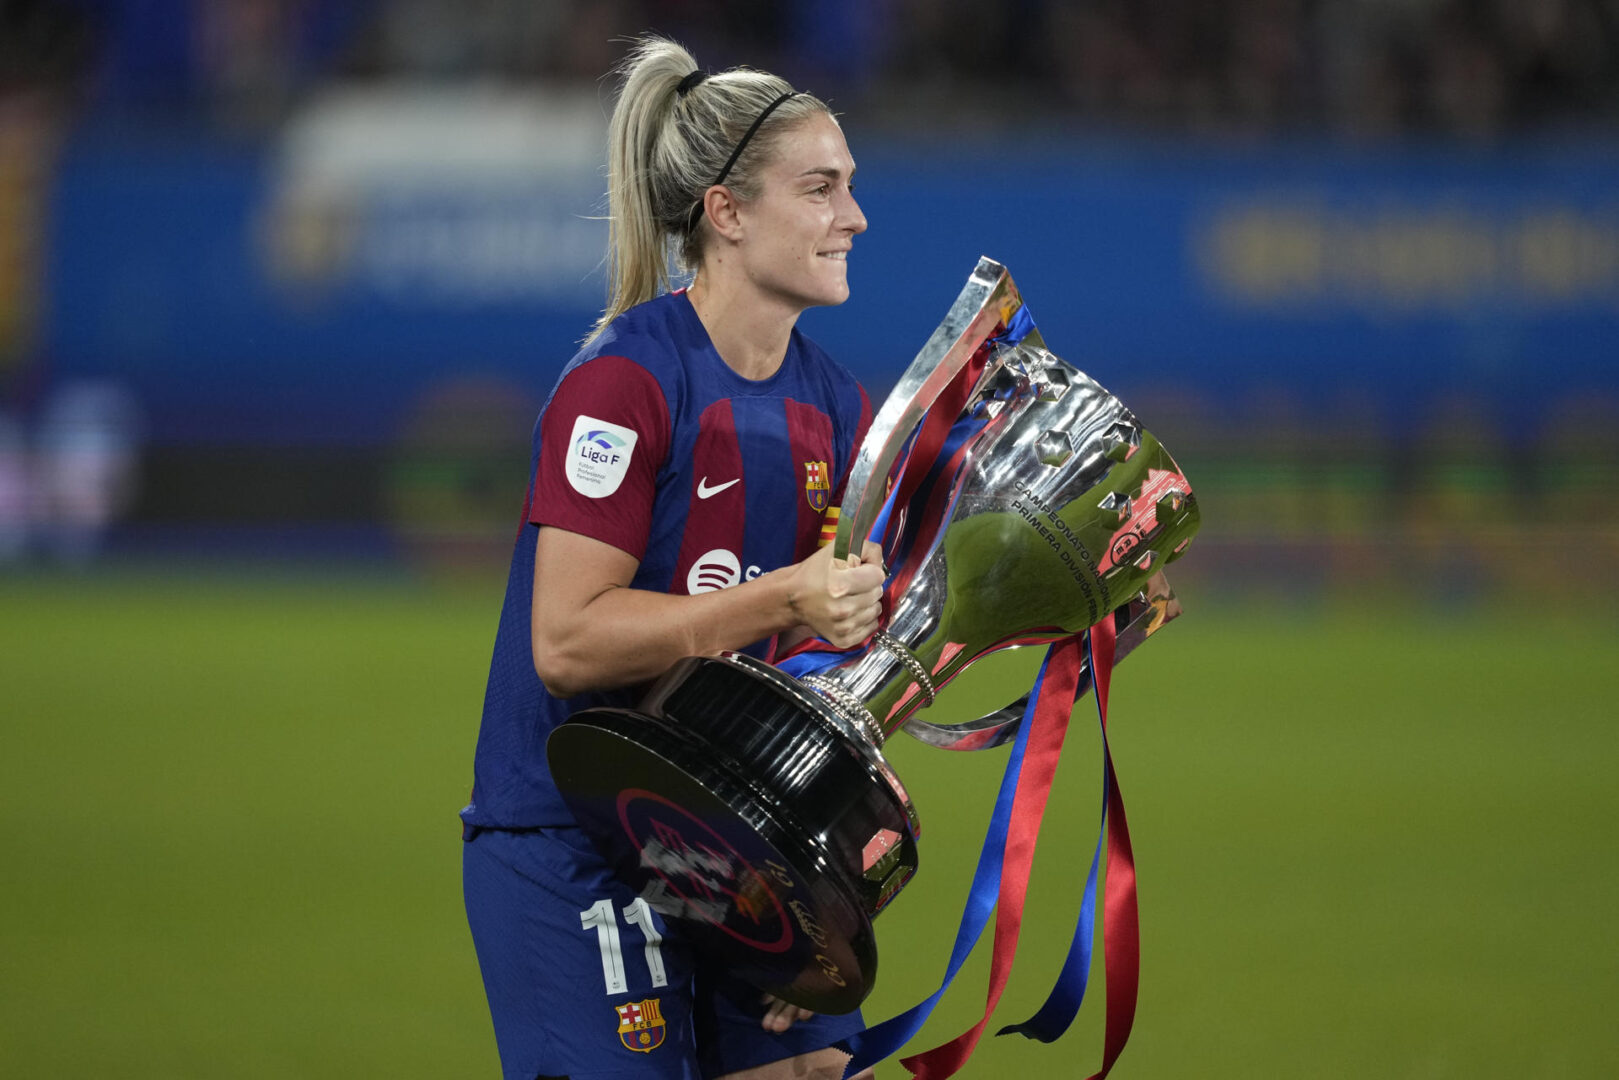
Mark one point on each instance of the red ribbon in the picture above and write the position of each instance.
(1121, 923)
(1121, 926)
(1028, 806)
(930, 440)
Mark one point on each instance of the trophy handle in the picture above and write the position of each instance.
(988, 300)
(1137, 621)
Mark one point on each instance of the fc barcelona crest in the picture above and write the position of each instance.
(817, 484)
(640, 1025)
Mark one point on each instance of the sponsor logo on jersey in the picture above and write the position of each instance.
(640, 1025)
(598, 456)
(817, 484)
(705, 490)
(716, 570)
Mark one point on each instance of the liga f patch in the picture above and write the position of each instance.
(640, 1025)
(817, 484)
(598, 456)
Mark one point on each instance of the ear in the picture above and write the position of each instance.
(722, 207)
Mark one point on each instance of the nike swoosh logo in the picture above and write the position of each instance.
(704, 491)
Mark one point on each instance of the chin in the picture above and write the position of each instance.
(818, 293)
(833, 294)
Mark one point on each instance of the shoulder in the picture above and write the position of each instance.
(843, 391)
(648, 335)
(640, 353)
(630, 378)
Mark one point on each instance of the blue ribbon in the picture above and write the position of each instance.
(882, 1040)
(808, 663)
(876, 1043)
(962, 430)
(1016, 330)
(880, 526)
(1060, 1008)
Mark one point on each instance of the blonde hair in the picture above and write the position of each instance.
(666, 148)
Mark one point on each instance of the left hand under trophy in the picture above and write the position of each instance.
(1018, 503)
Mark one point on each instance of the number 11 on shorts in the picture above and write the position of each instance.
(599, 916)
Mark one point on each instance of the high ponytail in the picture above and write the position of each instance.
(666, 147)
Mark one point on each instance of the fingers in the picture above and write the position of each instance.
(841, 600)
(857, 604)
(854, 578)
(860, 577)
(857, 626)
(782, 1015)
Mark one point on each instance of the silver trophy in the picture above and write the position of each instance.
(758, 807)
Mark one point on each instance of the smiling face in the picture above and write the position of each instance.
(797, 233)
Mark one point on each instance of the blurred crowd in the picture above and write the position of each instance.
(1473, 68)
(1419, 73)
(68, 476)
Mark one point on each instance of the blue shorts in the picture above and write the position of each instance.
(585, 981)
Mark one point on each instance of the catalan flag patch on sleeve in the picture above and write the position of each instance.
(829, 526)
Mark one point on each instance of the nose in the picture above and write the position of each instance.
(849, 216)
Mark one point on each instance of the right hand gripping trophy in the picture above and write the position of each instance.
(758, 808)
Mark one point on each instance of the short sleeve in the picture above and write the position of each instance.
(603, 437)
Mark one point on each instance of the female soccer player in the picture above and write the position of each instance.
(682, 473)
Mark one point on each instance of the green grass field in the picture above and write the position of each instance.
(227, 818)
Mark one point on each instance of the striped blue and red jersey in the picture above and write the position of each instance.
(651, 443)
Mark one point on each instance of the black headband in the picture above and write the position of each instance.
(697, 211)
(743, 142)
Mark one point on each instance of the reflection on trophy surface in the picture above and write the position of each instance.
(1018, 503)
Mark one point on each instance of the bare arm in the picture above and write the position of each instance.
(591, 631)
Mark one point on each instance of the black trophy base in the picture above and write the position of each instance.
(736, 803)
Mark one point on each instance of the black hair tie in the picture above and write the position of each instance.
(689, 83)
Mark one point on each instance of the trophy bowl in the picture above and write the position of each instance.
(736, 801)
(1017, 503)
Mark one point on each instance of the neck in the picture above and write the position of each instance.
(749, 331)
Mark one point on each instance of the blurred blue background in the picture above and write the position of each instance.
(308, 268)
(283, 284)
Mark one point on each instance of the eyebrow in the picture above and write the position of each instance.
(831, 172)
